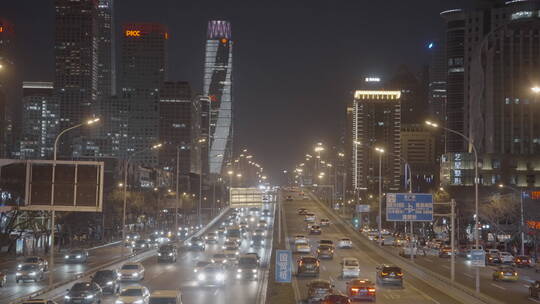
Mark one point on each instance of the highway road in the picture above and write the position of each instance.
(415, 291)
(180, 275)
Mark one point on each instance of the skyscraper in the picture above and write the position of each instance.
(6, 87)
(376, 123)
(76, 61)
(106, 50)
(40, 120)
(218, 88)
(143, 63)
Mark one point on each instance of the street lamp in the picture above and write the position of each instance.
(535, 89)
(126, 186)
(476, 181)
(381, 152)
(522, 221)
(53, 213)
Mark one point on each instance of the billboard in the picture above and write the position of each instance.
(246, 197)
(77, 185)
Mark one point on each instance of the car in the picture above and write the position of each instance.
(243, 225)
(247, 267)
(361, 290)
(231, 249)
(310, 217)
(76, 256)
(165, 297)
(493, 259)
(505, 273)
(302, 211)
(308, 265)
(350, 267)
(167, 253)
(387, 274)
(219, 258)
(254, 255)
(38, 301)
(259, 231)
(107, 280)
(41, 262)
(534, 290)
(388, 241)
(315, 229)
(201, 264)
(302, 248)
(131, 271)
(523, 261)
(398, 241)
(506, 257)
(445, 252)
(140, 244)
(262, 224)
(325, 222)
(289, 198)
(471, 248)
(211, 237)
(213, 274)
(196, 243)
(300, 239)
(3, 279)
(492, 251)
(326, 242)
(133, 295)
(131, 237)
(336, 299)
(83, 292)
(29, 272)
(318, 290)
(345, 243)
(221, 231)
(325, 252)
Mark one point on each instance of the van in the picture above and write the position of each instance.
(165, 297)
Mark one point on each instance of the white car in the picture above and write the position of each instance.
(506, 257)
(219, 258)
(300, 239)
(302, 248)
(133, 295)
(345, 243)
(350, 268)
(131, 272)
(310, 217)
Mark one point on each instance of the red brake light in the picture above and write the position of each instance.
(400, 274)
(371, 290)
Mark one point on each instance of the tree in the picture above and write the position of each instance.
(502, 214)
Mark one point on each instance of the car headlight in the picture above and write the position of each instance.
(78, 257)
(19, 266)
(89, 297)
(254, 270)
(262, 241)
(201, 277)
(67, 297)
(18, 274)
(238, 270)
(170, 254)
(159, 254)
(206, 238)
(109, 283)
(33, 273)
(237, 253)
(119, 302)
(189, 244)
(135, 274)
(67, 257)
(138, 302)
(195, 270)
(220, 276)
(224, 261)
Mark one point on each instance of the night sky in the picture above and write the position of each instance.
(295, 62)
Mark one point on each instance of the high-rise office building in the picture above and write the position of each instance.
(218, 88)
(413, 95)
(437, 80)
(106, 64)
(76, 62)
(7, 87)
(40, 120)
(376, 123)
(143, 64)
(177, 115)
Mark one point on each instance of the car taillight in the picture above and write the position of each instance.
(515, 273)
(371, 290)
(400, 274)
(354, 290)
(318, 263)
(384, 273)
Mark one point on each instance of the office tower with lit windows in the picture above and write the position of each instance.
(76, 66)
(40, 120)
(142, 73)
(106, 64)
(217, 86)
(7, 88)
(376, 123)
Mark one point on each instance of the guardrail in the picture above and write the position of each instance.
(457, 290)
(61, 286)
(263, 288)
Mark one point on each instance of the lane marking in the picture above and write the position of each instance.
(428, 259)
(500, 287)
(468, 275)
(445, 266)
(425, 295)
(534, 300)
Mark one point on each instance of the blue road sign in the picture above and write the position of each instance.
(283, 266)
(362, 208)
(478, 258)
(407, 207)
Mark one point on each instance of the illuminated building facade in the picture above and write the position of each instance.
(76, 65)
(6, 87)
(376, 123)
(142, 73)
(106, 50)
(218, 88)
(40, 120)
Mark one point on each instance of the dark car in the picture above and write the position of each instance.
(315, 229)
(167, 253)
(302, 211)
(389, 275)
(325, 252)
(336, 299)
(247, 267)
(197, 243)
(29, 272)
(308, 265)
(76, 256)
(318, 290)
(523, 261)
(84, 293)
(493, 259)
(534, 290)
(361, 289)
(107, 280)
(140, 245)
(289, 198)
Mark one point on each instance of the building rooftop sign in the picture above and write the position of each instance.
(360, 94)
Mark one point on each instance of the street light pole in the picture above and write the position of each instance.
(53, 175)
(476, 182)
(177, 190)
(380, 151)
